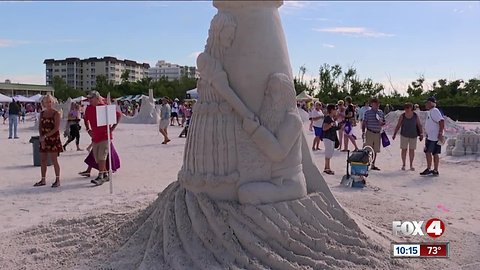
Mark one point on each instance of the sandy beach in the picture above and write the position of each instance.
(77, 226)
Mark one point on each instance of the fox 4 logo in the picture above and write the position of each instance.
(433, 227)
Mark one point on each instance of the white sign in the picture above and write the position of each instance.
(106, 115)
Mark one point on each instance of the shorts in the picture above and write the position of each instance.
(318, 131)
(329, 148)
(164, 124)
(373, 140)
(173, 114)
(100, 151)
(408, 143)
(432, 147)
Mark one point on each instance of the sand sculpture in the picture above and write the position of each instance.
(248, 195)
(451, 127)
(148, 113)
(466, 143)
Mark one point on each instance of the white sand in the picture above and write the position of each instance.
(78, 226)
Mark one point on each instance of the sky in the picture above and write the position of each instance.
(391, 42)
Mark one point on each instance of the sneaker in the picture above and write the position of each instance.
(375, 168)
(98, 181)
(85, 173)
(9, 138)
(16, 137)
(426, 172)
(435, 173)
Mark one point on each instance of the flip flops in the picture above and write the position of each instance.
(40, 183)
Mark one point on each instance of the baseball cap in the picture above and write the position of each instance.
(93, 94)
(432, 99)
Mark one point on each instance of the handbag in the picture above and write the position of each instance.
(384, 138)
(337, 142)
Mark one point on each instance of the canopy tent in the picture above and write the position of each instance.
(36, 98)
(132, 98)
(306, 97)
(192, 94)
(79, 99)
(21, 98)
(4, 98)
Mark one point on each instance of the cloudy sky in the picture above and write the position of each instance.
(397, 40)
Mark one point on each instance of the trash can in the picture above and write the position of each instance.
(35, 140)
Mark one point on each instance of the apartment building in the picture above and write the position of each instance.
(171, 71)
(82, 73)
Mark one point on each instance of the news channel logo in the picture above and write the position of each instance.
(433, 227)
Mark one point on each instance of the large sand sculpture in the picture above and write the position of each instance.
(148, 114)
(248, 195)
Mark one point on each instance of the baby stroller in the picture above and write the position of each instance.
(185, 129)
(358, 162)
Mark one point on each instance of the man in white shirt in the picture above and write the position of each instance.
(174, 113)
(434, 127)
(316, 115)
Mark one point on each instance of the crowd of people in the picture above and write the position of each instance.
(333, 124)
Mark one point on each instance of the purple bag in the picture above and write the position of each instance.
(385, 140)
(90, 160)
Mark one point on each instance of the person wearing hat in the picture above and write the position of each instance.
(174, 114)
(165, 112)
(99, 136)
(434, 127)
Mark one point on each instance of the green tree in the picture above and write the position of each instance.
(63, 91)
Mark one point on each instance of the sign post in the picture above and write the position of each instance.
(107, 116)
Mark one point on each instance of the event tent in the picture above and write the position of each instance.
(192, 94)
(4, 98)
(132, 98)
(79, 99)
(304, 96)
(36, 98)
(21, 98)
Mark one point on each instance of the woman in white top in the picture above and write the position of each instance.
(316, 115)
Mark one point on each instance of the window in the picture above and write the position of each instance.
(92, 70)
(92, 64)
(64, 70)
(56, 70)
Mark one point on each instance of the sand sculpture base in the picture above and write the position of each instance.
(188, 231)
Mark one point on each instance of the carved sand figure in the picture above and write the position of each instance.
(241, 201)
(210, 153)
(278, 136)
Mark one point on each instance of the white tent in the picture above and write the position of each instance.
(21, 98)
(4, 98)
(192, 94)
(36, 98)
(305, 96)
(79, 99)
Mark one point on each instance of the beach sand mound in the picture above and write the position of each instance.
(188, 231)
(79, 243)
(452, 128)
